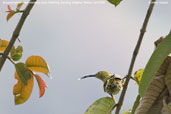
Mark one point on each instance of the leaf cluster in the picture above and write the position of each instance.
(24, 72)
(12, 12)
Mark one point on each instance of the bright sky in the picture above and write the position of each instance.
(76, 40)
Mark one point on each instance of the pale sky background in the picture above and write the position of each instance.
(77, 40)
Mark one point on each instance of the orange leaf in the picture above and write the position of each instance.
(3, 45)
(22, 92)
(9, 8)
(19, 5)
(37, 64)
(42, 85)
(10, 14)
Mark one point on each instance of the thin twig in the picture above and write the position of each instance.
(16, 32)
(131, 78)
(20, 11)
(9, 59)
(136, 50)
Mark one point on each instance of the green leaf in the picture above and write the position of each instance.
(101, 106)
(157, 58)
(19, 49)
(16, 54)
(115, 2)
(136, 103)
(23, 72)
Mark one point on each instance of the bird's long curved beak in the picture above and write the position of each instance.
(87, 76)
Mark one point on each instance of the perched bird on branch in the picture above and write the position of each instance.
(113, 84)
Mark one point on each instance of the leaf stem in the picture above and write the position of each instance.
(11, 60)
(16, 32)
(136, 50)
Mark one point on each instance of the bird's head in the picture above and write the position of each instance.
(102, 75)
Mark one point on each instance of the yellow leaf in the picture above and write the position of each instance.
(138, 75)
(10, 14)
(37, 64)
(127, 112)
(22, 92)
(3, 45)
(19, 5)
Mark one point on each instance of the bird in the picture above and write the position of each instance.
(112, 84)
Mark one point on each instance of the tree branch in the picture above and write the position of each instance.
(16, 32)
(136, 50)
